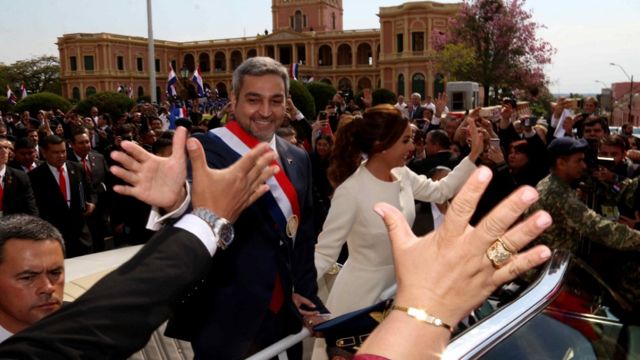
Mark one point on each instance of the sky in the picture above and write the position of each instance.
(587, 34)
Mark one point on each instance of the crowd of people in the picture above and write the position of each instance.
(103, 184)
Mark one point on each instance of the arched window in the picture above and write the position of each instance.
(220, 61)
(297, 21)
(189, 62)
(438, 85)
(417, 84)
(236, 59)
(90, 91)
(345, 56)
(401, 84)
(204, 62)
(325, 56)
(158, 94)
(333, 20)
(75, 93)
(140, 91)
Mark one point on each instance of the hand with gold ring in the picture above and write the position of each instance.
(451, 270)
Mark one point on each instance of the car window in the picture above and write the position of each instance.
(584, 321)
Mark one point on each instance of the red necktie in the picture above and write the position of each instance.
(63, 183)
(30, 167)
(87, 169)
(277, 296)
(1, 192)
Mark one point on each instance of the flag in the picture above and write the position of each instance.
(171, 81)
(23, 91)
(10, 96)
(197, 79)
(293, 71)
(120, 89)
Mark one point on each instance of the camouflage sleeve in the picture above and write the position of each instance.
(628, 192)
(599, 229)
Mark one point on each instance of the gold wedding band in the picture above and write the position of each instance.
(310, 322)
(499, 253)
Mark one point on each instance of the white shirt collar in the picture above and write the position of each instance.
(3, 171)
(4, 334)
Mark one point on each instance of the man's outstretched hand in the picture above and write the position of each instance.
(155, 180)
(229, 191)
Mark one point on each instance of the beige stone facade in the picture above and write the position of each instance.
(307, 32)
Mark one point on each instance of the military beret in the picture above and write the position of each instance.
(567, 146)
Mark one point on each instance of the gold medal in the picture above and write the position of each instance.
(292, 226)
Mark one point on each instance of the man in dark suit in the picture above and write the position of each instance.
(16, 195)
(438, 153)
(415, 109)
(116, 316)
(25, 155)
(254, 294)
(63, 196)
(95, 168)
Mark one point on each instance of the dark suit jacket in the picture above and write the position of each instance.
(117, 315)
(444, 158)
(18, 195)
(223, 320)
(417, 114)
(53, 208)
(99, 169)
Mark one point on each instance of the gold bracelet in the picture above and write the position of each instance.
(422, 315)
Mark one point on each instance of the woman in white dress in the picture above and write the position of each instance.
(385, 138)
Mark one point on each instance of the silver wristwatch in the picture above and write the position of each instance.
(221, 227)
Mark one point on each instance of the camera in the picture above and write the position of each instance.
(530, 121)
(323, 115)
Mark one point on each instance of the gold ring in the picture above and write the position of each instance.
(499, 253)
(310, 322)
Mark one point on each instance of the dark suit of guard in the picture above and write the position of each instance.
(18, 196)
(117, 315)
(229, 317)
(54, 209)
(97, 177)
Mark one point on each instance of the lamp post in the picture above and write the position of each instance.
(603, 84)
(630, 78)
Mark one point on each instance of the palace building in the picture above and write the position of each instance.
(305, 32)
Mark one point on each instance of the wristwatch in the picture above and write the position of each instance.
(221, 227)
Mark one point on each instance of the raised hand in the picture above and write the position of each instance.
(229, 191)
(448, 272)
(152, 179)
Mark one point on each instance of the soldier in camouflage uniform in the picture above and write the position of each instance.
(573, 221)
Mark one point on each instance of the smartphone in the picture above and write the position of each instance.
(495, 143)
(323, 115)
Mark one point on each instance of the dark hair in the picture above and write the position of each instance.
(24, 143)
(614, 140)
(377, 130)
(258, 66)
(440, 138)
(51, 140)
(79, 131)
(593, 120)
(161, 143)
(27, 227)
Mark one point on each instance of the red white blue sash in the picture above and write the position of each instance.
(285, 209)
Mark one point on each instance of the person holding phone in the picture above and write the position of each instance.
(385, 138)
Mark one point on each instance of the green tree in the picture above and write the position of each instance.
(40, 74)
(302, 99)
(322, 94)
(456, 61)
(114, 104)
(5, 107)
(42, 101)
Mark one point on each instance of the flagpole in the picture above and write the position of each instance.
(152, 56)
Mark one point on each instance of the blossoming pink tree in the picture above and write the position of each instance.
(498, 47)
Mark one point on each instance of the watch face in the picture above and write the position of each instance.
(225, 234)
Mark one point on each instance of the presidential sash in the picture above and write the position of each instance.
(283, 206)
